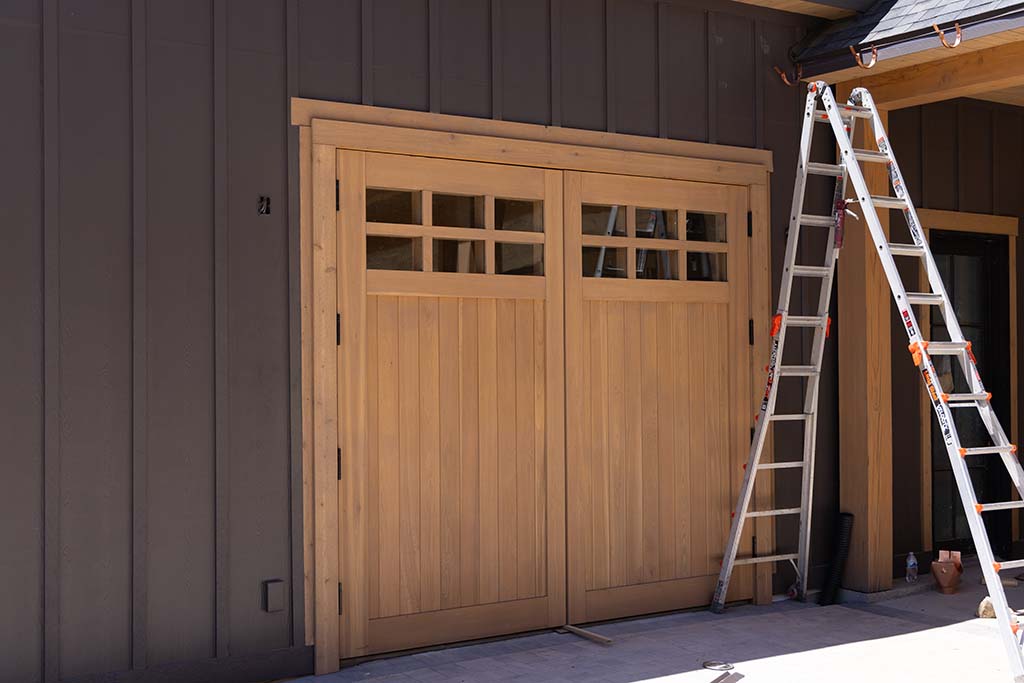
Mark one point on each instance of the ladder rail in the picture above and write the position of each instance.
(775, 359)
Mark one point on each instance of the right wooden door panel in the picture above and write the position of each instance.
(657, 365)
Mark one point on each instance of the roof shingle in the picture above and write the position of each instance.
(890, 19)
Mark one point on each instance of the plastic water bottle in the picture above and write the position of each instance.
(911, 568)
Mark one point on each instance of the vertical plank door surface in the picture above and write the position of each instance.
(658, 390)
(452, 399)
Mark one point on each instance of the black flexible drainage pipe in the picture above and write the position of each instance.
(844, 531)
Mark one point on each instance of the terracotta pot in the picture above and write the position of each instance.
(947, 575)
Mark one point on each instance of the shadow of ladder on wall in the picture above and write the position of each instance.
(842, 120)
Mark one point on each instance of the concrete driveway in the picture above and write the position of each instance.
(924, 636)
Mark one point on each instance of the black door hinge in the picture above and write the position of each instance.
(337, 329)
(750, 223)
(751, 435)
(339, 598)
(337, 195)
(339, 463)
(750, 331)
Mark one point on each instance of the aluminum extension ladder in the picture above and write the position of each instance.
(843, 119)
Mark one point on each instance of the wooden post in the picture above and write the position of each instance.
(865, 391)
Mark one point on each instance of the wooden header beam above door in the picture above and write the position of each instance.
(304, 111)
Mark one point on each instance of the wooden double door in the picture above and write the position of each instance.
(542, 395)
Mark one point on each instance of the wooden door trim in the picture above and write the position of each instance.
(525, 152)
(961, 221)
(304, 111)
(324, 368)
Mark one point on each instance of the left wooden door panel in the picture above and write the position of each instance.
(452, 498)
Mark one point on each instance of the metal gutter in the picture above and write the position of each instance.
(916, 41)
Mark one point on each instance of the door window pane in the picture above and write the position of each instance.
(653, 264)
(604, 220)
(392, 206)
(518, 259)
(604, 262)
(518, 214)
(705, 266)
(393, 253)
(458, 211)
(705, 227)
(458, 256)
(657, 223)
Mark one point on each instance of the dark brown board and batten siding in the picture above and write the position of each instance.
(150, 478)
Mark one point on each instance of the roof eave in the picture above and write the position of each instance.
(820, 66)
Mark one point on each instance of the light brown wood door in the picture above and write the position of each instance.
(658, 390)
(453, 383)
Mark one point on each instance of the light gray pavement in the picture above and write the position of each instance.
(925, 636)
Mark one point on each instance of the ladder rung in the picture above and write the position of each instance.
(869, 155)
(846, 111)
(821, 116)
(797, 370)
(906, 250)
(811, 271)
(817, 168)
(946, 348)
(965, 398)
(989, 450)
(854, 110)
(774, 513)
(781, 465)
(805, 321)
(881, 202)
(817, 221)
(789, 417)
(766, 558)
(924, 298)
(994, 507)
(1009, 564)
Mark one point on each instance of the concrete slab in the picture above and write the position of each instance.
(918, 636)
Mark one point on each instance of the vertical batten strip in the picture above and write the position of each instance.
(759, 84)
(295, 301)
(609, 64)
(663, 44)
(434, 54)
(366, 19)
(51, 343)
(555, 44)
(712, 73)
(497, 65)
(139, 326)
(220, 285)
